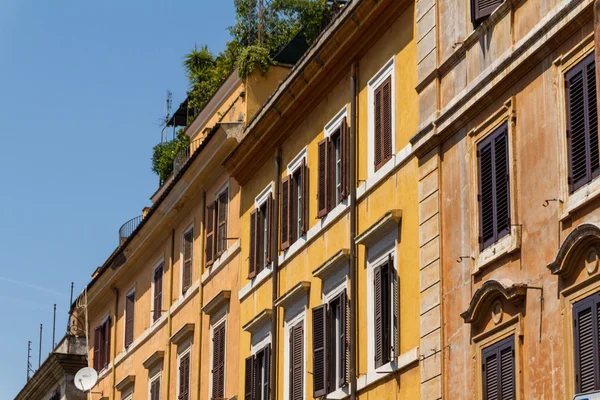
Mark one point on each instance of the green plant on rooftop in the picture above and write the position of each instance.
(165, 152)
(251, 58)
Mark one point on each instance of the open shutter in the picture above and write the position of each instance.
(586, 336)
(345, 187)
(222, 223)
(129, 311)
(97, 362)
(285, 212)
(267, 361)
(323, 178)
(297, 382)
(378, 316)
(253, 245)
(481, 9)
(394, 314)
(106, 344)
(210, 234)
(501, 183)
(249, 379)
(188, 240)
(218, 372)
(386, 120)
(268, 221)
(320, 365)
(303, 196)
(158, 278)
(184, 377)
(344, 335)
(486, 194)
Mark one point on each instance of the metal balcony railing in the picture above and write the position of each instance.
(128, 227)
(184, 154)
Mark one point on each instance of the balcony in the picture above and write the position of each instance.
(128, 227)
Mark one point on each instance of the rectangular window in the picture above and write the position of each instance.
(294, 195)
(260, 237)
(218, 362)
(481, 9)
(210, 233)
(494, 187)
(216, 227)
(102, 345)
(382, 109)
(385, 300)
(256, 385)
(157, 283)
(330, 349)
(184, 377)
(582, 123)
(498, 370)
(332, 170)
(155, 388)
(129, 318)
(188, 253)
(222, 201)
(586, 317)
(296, 362)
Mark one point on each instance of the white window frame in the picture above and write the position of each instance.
(160, 261)
(297, 314)
(264, 340)
(376, 255)
(292, 168)
(259, 201)
(189, 227)
(388, 70)
(127, 294)
(180, 355)
(154, 375)
(331, 128)
(219, 319)
(127, 395)
(224, 187)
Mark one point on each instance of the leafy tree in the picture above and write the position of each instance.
(165, 152)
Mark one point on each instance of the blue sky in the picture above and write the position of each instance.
(82, 85)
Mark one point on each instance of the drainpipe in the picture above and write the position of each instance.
(169, 319)
(114, 357)
(352, 179)
(201, 289)
(275, 258)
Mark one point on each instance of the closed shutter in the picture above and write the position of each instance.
(249, 379)
(106, 343)
(344, 336)
(253, 245)
(268, 221)
(383, 123)
(210, 234)
(218, 372)
(184, 377)
(304, 199)
(158, 279)
(129, 319)
(501, 183)
(320, 365)
(383, 303)
(97, 362)
(582, 123)
(586, 320)
(297, 362)
(155, 390)
(222, 223)
(378, 316)
(285, 212)
(267, 372)
(481, 9)
(323, 178)
(188, 240)
(498, 371)
(345, 190)
(377, 131)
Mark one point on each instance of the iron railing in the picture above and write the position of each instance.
(128, 227)
(184, 154)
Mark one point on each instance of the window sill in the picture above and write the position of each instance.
(373, 180)
(507, 245)
(580, 198)
(221, 261)
(255, 282)
(339, 394)
(105, 371)
(402, 362)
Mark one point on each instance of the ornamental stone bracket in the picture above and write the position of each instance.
(484, 297)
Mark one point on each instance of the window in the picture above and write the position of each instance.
(157, 286)
(383, 123)
(56, 395)
(296, 362)
(129, 318)
(481, 9)
(582, 123)
(186, 273)
(498, 371)
(385, 300)
(218, 362)
(586, 315)
(333, 169)
(256, 384)
(102, 345)
(184, 376)
(260, 237)
(494, 187)
(155, 387)
(330, 350)
(294, 195)
(216, 227)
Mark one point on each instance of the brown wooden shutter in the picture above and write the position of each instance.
(267, 361)
(395, 309)
(285, 212)
(486, 194)
(304, 197)
(320, 365)
(97, 341)
(129, 319)
(106, 343)
(253, 245)
(323, 178)
(481, 9)
(268, 221)
(345, 191)
(158, 279)
(386, 120)
(586, 319)
(498, 371)
(222, 223)
(210, 234)
(378, 316)
(249, 379)
(184, 377)
(155, 390)
(344, 337)
(378, 128)
(501, 183)
(188, 240)
(297, 362)
(218, 372)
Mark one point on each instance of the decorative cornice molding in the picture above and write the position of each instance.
(258, 321)
(574, 241)
(183, 333)
(332, 264)
(216, 303)
(293, 294)
(156, 358)
(125, 383)
(380, 228)
(490, 290)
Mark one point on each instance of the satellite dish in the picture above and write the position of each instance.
(85, 379)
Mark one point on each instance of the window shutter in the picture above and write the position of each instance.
(210, 234)
(486, 194)
(129, 311)
(304, 196)
(386, 119)
(586, 319)
(323, 178)
(297, 382)
(155, 390)
(253, 245)
(507, 373)
(284, 225)
(481, 9)
(378, 131)
(188, 240)
(394, 315)
(378, 301)
(97, 339)
(345, 161)
(184, 377)
(218, 372)
(158, 278)
(320, 365)
(344, 337)
(222, 223)
(268, 221)
(267, 361)
(490, 377)
(106, 344)
(249, 379)
(501, 183)
(498, 371)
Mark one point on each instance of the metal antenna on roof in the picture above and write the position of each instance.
(168, 105)
(54, 328)
(40, 353)
(28, 359)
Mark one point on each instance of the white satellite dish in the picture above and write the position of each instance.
(85, 379)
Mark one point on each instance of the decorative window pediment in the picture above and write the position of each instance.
(485, 297)
(580, 240)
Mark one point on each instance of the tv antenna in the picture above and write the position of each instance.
(168, 105)
(29, 366)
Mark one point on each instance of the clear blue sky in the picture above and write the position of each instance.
(82, 88)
